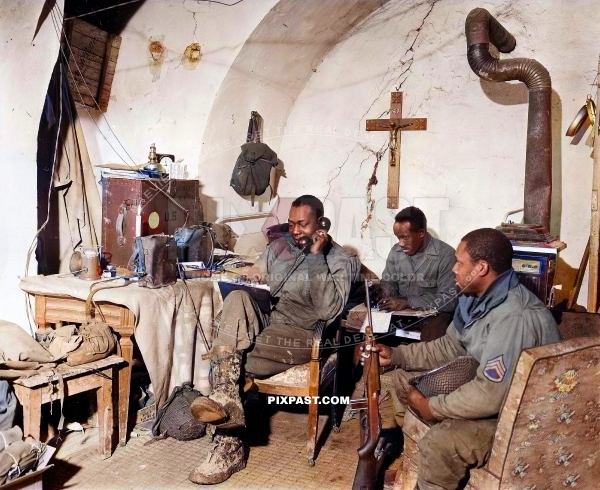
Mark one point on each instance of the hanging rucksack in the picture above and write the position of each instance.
(252, 172)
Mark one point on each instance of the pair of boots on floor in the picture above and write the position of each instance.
(224, 414)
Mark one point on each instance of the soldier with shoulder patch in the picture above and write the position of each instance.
(496, 319)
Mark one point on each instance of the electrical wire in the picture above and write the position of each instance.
(60, 32)
(33, 245)
(220, 3)
(134, 1)
(58, 28)
(198, 325)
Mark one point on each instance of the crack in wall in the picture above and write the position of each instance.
(339, 169)
(509, 10)
(411, 48)
(382, 150)
(402, 63)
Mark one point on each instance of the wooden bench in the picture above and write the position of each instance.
(102, 376)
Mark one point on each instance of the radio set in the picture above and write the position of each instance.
(535, 253)
(141, 207)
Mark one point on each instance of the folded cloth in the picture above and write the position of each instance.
(60, 347)
(23, 369)
(18, 345)
(66, 331)
(7, 437)
(18, 458)
(12, 374)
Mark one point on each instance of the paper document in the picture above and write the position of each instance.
(408, 334)
(381, 321)
(411, 312)
(259, 292)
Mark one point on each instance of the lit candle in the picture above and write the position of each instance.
(138, 221)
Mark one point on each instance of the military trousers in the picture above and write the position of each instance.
(450, 447)
(271, 347)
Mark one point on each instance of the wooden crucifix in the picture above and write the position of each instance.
(395, 125)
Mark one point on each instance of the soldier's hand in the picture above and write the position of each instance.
(411, 397)
(377, 292)
(385, 354)
(405, 391)
(254, 275)
(393, 304)
(320, 239)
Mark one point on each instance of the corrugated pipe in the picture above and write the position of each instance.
(482, 29)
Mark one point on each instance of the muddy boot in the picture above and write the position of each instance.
(225, 457)
(223, 407)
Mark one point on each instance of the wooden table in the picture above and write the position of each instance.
(165, 320)
(56, 308)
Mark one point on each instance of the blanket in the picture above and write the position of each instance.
(165, 324)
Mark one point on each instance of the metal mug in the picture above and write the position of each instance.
(85, 263)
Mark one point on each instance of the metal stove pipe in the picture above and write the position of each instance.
(482, 29)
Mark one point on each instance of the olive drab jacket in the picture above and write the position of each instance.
(496, 340)
(318, 287)
(426, 279)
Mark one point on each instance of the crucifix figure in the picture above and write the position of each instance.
(395, 125)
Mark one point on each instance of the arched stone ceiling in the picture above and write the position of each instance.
(271, 70)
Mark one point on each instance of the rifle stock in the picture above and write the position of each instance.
(365, 477)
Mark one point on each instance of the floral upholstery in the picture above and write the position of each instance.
(555, 436)
(548, 434)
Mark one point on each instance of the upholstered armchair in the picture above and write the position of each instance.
(548, 434)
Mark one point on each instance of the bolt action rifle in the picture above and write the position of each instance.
(373, 448)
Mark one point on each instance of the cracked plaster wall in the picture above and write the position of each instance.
(316, 70)
(271, 71)
(467, 170)
(27, 67)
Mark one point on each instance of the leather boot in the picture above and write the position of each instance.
(225, 457)
(223, 407)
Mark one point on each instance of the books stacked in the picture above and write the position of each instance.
(122, 171)
(531, 238)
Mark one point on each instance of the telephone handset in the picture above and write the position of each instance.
(305, 242)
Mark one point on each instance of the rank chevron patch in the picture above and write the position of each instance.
(495, 369)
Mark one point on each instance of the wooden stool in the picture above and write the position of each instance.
(102, 376)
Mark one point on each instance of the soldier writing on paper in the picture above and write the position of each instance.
(418, 274)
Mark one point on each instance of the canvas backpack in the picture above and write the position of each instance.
(174, 418)
(252, 172)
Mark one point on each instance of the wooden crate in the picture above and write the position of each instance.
(92, 63)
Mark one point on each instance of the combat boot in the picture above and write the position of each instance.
(223, 407)
(226, 456)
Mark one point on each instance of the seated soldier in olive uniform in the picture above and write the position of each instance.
(495, 320)
(418, 274)
(307, 287)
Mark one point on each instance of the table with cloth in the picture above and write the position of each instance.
(163, 322)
